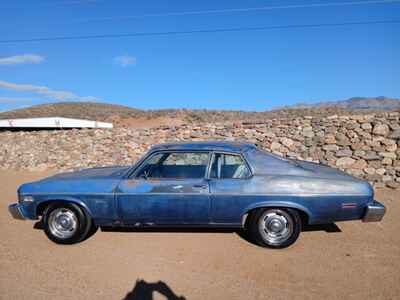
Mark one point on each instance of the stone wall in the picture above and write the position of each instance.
(366, 146)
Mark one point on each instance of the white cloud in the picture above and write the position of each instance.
(22, 59)
(45, 91)
(125, 60)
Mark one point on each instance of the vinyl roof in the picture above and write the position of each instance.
(209, 145)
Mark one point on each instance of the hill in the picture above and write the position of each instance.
(368, 103)
(125, 116)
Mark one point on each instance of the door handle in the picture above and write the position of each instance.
(200, 186)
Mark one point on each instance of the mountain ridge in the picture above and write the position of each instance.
(126, 116)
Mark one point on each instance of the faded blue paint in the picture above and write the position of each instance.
(115, 195)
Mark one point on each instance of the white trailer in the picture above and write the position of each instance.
(53, 122)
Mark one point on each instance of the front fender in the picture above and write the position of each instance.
(52, 198)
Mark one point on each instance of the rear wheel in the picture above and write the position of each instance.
(275, 227)
(66, 223)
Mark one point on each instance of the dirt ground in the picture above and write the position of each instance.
(362, 261)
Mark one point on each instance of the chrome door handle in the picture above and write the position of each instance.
(200, 187)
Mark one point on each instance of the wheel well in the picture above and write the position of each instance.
(303, 215)
(42, 206)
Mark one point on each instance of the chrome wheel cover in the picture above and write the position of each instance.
(275, 226)
(63, 223)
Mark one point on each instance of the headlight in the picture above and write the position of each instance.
(25, 199)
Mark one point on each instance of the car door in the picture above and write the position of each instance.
(230, 188)
(168, 188)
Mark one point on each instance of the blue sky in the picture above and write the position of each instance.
(251, 70)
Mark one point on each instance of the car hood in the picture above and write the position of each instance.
(93, 173)
(94, 180)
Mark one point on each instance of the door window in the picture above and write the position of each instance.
(229, 166)
(179, 165)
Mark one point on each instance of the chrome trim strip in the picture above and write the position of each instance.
(182, 193)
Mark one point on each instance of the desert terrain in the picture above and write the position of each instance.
(353, 261)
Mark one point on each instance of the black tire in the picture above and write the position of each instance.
(290, 231)
(76, 215)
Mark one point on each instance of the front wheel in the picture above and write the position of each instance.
(275, 227)
(66, 223)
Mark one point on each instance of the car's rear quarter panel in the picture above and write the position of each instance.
(323, 201)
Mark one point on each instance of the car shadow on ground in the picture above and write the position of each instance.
(144, 291)
(328, 228)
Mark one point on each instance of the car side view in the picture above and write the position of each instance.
(203, 184)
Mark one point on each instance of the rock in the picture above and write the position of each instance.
(380, 171)
(332, 117)
(344, 162)
(344, 153)
(370, 155)
(330, 147)
(356, 172)
(369, 171)
(379, 185)
(366, 126)
(386, 178)
(391, 148)
(330, 139)
(387, 161)
(375, 164)
(307, 132)
(388, 155)
(373, 177)
(381, 129)
(287, 142)
(359, 153)
(275, 146)
(359, 164)
(357, 146)
(392, 184)
(395, 134)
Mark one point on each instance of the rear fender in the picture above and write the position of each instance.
(282, 204)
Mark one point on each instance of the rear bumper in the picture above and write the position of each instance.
(16, 212)
(374, 212)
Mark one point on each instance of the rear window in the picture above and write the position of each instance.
(229, 166)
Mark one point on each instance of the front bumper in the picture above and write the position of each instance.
(374, 212)
(16, 212)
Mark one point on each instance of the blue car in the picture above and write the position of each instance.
(204, 184)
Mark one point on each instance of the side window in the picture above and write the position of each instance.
(229, 166)
(179, 165)
(150, 165)
(188, 159)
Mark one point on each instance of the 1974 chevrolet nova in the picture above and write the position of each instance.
(207, 184)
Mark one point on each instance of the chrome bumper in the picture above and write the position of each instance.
(374, 212)
(15, 211)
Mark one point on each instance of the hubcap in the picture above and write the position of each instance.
(63, 223)
(275, 226)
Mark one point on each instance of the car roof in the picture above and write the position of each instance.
(228, 146)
